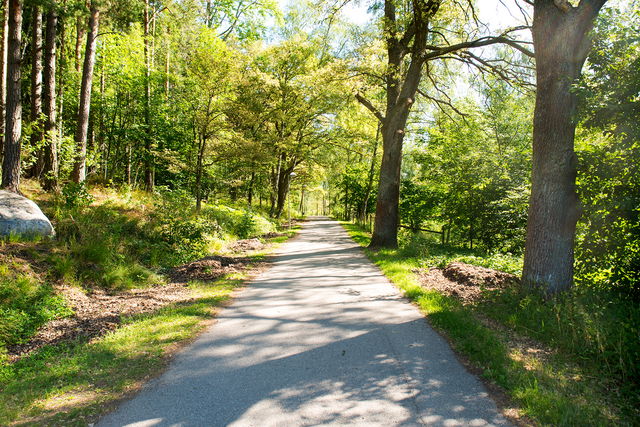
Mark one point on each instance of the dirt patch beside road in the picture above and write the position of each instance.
(464, 281)
(97, 312)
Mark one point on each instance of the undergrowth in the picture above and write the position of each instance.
(69, 384)
(591, 377)
(111, 239)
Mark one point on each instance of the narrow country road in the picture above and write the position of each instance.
(321, 338)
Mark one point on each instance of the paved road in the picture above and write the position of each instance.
(321, 338)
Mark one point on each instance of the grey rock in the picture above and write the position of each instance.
(21, 216)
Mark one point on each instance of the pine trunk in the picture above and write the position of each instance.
(50, 172)
(12, 143)
(148, 154)
(3, 71)
(79, 168)
(36, 90)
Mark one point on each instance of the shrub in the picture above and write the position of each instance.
(76, 196)
(247, 226)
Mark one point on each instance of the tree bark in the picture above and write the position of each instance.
(560, 37)
(80, 32)
(199, 171)
(36, 90)
(372, 172)
(50, 171)
(400, 94)
(60, 70)
(12, 144)
(3, 71)
(250, 189)
(284, 177)
(148, 151)
(79, 168)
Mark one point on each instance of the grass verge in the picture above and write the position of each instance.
(71, 384)
(551, 389)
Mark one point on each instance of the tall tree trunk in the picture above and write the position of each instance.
(372, 173)
(79, 168)
(102, 126)
(3, 71)
(50, 172)
(560, 36)
(284, 178)
(400, 93)
(80, 32)
(166, 66)
(12, 143)
(36, 90)
(302, 210)
(61, 69)
(199, 171)
(250, 189)
(148, 154)
(127, 164)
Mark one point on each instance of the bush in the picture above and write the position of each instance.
(247, 226)
(76, 196)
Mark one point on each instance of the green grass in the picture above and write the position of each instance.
(70, 384)
(560, 389)
(113, 240)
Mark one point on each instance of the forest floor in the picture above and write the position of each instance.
(97, 312)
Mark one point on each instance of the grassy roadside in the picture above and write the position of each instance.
(548, 388)
(71, 384)
(112, 267)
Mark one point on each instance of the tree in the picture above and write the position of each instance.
(210, 68)
(608, 148)
(13, 128)
(408, 50)
(79, 168)
(561, 41)
(36, 87)
(50, 170)
(3, 71)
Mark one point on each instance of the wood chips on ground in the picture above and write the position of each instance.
(464, 281)
(97, 312)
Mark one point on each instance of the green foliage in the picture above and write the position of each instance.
(247, 226)
(189, 238)
(608, 147)
(471, 175)
(418, 204)
(76, 196)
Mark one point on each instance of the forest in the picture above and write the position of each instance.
(501, 134)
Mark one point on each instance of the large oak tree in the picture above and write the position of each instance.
(561, 41)
(408, 50)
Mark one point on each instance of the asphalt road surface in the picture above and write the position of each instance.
(320, 338)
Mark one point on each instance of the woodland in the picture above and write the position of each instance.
(501, 134)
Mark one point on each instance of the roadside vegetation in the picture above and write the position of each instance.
(110, 245)
(572, 360)
(155, 134)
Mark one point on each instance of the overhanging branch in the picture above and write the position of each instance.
(364, 101)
